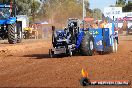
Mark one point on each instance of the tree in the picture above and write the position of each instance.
(35, 7)
(58, 11)
(97, 14)
(86, 2)
(24, 7)
(87, 5)
(128, 7)
(120, 3)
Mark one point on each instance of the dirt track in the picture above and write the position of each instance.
(28, 65)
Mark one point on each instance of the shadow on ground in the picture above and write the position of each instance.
(47, 56)
(38, 56)
(4, 42)
(44, 56)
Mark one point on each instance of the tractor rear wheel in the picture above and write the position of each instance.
(87, 45)
(12, 36)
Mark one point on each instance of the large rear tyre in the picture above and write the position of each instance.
(12, 34)
(19, 35)
(87, 45)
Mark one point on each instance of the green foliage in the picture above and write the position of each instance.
(24, 7)
(86, 5)
(97, 14)
(56, 11)
(60, 10)
(34, 6)
(128, 7)
(120, 3)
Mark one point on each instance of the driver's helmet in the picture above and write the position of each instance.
(61, 34)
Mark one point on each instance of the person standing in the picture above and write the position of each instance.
(116, 35)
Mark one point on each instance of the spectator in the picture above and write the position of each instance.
(116, 35)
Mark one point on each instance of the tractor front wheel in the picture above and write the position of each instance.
(51, 54)
(12, 34)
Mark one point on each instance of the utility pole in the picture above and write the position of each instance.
(83, 10)
(61, 15)
(84, 13)
(14, 8)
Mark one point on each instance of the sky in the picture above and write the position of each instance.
(101, 4)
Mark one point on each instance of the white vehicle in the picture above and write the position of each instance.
(23, 20)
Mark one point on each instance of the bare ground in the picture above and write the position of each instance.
(28, 65)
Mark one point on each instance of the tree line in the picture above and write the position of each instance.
(56, 11)
(125, 4)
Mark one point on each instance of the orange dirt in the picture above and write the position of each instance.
(28, 65)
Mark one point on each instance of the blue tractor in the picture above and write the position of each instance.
(9, 27)
(72, 40)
